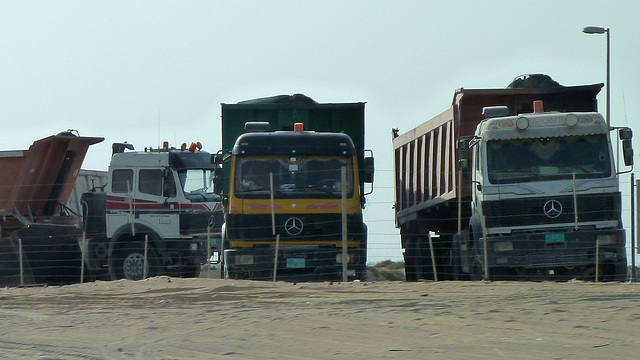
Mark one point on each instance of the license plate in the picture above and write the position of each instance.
(295, 263)
(554, 238)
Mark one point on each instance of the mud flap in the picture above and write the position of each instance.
(50, 255)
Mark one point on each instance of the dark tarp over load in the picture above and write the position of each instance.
(533, 81)
(282, 99)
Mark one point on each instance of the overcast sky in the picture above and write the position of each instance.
(148, 71)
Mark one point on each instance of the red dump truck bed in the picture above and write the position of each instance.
(38, 244)
(425, 159)
(34, 181)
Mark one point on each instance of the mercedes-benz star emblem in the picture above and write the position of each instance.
(293, 226)
(552, 209)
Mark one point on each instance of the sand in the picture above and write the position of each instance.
(204, 318)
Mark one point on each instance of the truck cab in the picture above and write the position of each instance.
(545, 197)
(284, 212)
(159, 202)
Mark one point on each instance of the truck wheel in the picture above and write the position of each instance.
(190, 271)
(418, 260)
(475, 271)
(450, 252)
(424, 264)
(476, 268)
(409, 261)
(456, 258)
(130, 262)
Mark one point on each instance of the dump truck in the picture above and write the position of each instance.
(285, 216)
(153, 212)
(39, 237)
(494, 189)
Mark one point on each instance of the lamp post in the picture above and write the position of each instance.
(601, 30)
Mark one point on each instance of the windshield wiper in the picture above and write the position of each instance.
(253, 190)
(515, 173)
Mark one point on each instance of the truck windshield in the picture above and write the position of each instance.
(197, 185)
(525, 160)
(293, 176)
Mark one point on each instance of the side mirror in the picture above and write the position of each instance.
(117, 148)
(168, 185)
(216, 158)
(218, 180)
(627, 147)
(625, 133)
(463, 153)
(369, 169)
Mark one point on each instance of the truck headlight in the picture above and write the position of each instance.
(194, 246)
(244, 260)
(503, 246)
(350, 258)
(606, 239)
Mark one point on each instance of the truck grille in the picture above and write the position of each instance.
(314, 227)
(197, 223)
(523, 212)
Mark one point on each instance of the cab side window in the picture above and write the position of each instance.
(168, 184)
(150, 182)
(122, 181)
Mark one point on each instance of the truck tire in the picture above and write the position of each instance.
(409, 260)
(361, 268)
(476, 268)
(426, 263)
(455, 261)
(129, 262)
(475, 271)
(190, 271)
(419, 257)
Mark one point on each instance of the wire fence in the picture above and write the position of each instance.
(443, 256)
(52, 262)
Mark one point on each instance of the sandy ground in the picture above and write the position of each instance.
(206, 318)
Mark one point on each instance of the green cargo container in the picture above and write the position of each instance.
(281, 112)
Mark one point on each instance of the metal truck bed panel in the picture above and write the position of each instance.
(281, 112)
(425, 159)
(34, 181)
(86, 181)
(347, 118)
(425, 162)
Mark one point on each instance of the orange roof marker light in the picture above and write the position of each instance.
(538, 107)
(298, 127)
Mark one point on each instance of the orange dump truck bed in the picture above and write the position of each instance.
(34, 181)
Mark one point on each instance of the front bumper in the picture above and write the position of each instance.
(556, 249)
(193, 250)
(294, 263)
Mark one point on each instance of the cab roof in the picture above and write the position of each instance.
(294, 142)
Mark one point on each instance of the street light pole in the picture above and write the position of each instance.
(601, 30)
(608, 81)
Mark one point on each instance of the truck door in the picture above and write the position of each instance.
(120, 202)
(477, 190)
(155, 196)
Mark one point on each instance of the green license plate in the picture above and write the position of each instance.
(295, 263)
(554, 238)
